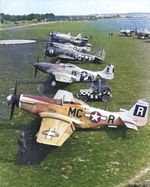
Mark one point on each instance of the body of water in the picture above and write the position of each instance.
(115, 25)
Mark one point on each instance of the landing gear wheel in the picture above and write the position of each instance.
(84, 98)
(105, 98)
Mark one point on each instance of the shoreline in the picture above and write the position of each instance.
(52, 22)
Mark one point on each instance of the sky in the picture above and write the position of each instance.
(73, 7)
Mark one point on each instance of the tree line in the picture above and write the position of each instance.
(29, 17)
(51, 17)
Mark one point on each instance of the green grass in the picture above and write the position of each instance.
(99, 157)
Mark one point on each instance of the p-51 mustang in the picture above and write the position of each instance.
(66, 54)
(127, 32)
(63, 38)
(142, 34)
(61, 114)
(69, 73)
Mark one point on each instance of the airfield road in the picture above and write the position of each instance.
(29, 25)
(16, 41)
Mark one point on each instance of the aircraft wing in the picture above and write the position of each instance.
(54, 131)
(65, 57)
(128, 122)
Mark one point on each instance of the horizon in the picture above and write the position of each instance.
(74, 8)
(78, 15)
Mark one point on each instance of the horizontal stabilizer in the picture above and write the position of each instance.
(130, 126)
(128, 122)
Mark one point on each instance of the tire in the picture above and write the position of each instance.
(105, 98)
(84, 98)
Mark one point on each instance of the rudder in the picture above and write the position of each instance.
(139, 112)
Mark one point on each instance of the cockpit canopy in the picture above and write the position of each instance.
(64, 95)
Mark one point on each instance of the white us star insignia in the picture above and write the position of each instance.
(95, 117)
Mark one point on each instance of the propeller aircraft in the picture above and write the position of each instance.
(63, 38)
(69, 46)
(142, 34)
(61, 114)
(66, 54)
(69, 73)
(127, 32)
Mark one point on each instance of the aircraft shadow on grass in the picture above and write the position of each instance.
(113, 133)
(37, 152)
(48, 90)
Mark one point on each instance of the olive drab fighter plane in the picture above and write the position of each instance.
(73, 55)
(61, 114)
(69, 73)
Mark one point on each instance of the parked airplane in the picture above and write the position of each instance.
(66, 54)
(63, 38)
(127, 32)
(142, 34)
(61, 114)
(69, 46)
(71, 73)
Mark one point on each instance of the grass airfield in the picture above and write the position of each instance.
(97, 157)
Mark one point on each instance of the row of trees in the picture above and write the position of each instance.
(7, 17)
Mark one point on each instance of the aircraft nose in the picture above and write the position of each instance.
(9, 98)
(36, 65)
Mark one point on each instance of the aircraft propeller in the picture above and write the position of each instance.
(13, 100)
(36, 67)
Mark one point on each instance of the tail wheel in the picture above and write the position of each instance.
(105, 98)
(84, 98)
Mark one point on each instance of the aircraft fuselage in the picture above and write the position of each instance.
(87, 116)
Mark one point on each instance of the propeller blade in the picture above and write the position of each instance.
(35, 72)
(15, 90)
(38, 58)
(52, 34)
(45, 56)
(12, 111)
(12, 100)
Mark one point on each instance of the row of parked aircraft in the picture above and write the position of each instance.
(62, 113)
(64, 47)
(141, 34)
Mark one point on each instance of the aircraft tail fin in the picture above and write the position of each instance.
(101, 54)
(137, 115)
(108, 72)
(79, 36)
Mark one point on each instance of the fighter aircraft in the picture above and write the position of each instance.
(69, 73)
(62, 113)
(69, 46)
(142, 34)
(127, 32)
(66, 54)
(63, 38)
